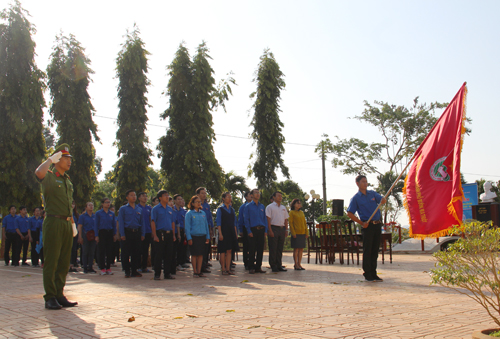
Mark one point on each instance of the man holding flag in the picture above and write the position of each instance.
(365, 202)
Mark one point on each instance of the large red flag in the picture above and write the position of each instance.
(433, 191)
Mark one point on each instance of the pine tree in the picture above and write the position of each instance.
(266, 122)
(130, 171)
(187, 152)
(22, 145)
(69, 77)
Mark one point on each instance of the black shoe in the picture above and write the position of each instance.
(281, 269)
(157, 278)
(52, 304)
(297, 268)
(251, 271)
(302, 269)
(206, 271)
(377, 279)
(92, 271)
(25, 264)
(85, 271)
(169, 276)
(260, 271)
(64, 302)
(275, 270)
(136, 275)
(73, 270)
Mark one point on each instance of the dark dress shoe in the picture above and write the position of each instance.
(275, 270)
(52, 304)
(377, 279)
(169, 276)
(281, 269)
(136, 275)
(64, 302)
(260, 271)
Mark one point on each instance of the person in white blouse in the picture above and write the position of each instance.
(277, 219)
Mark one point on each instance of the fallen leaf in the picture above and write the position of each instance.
(243, 281)
(27, 275)
(335, 283)
(178, 317)
(132, 318)
(192, 316)
(229, 311)
(189, 294)
(425, 272)
(253, 327)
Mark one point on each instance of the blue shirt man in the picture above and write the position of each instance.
(164, 218)
(105, 221)
(364, 204)
(255, 215)
(9, 223)
(146, 215)
(35, 223)
(129, 217)
(241, 217)
(22, 223)
(206, 208)
(88, 223)
(180, 216)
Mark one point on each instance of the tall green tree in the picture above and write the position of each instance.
(21, 110)
(130, 171)
(187, 153)
(266, 123)
(69, 77)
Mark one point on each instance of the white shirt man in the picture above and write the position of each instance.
(277, 219)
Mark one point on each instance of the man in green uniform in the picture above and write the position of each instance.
(57, 234)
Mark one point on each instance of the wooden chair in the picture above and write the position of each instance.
(352, 240)
(314, 243)
(337, 243)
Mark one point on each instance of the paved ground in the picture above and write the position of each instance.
(325, 301)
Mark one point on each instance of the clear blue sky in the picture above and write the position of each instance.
(335, 55)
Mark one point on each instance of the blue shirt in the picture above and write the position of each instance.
(36, 224)
(196, 224)
(129, 217)
(88, 223)
(255, 215)
(163, 217)
(146, 214)
(105, 221)
(218, 216)
(23, 224)
(180, 217)
(365, 205)
(9, 223)
(206, 208)
(241, 217)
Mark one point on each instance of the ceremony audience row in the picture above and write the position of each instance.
(167, 233)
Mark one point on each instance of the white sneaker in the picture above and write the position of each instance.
(103, 272)
(179, 268)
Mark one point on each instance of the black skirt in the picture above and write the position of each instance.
(198, 247)
(299, 241)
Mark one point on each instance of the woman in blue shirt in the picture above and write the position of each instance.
(105, 222)
(228, 234)
(197, 234)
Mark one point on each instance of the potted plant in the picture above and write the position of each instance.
(471, 266)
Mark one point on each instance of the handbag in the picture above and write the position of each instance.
(91, 235)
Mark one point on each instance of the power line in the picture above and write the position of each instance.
(222, 135)
(485, 175)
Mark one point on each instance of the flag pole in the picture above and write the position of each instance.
(392, 187)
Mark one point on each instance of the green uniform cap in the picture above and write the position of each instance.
(64, 149)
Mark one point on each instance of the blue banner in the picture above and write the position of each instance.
(470, 199)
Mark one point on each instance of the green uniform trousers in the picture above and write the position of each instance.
(57, 241)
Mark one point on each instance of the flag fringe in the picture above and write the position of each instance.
(437, 234)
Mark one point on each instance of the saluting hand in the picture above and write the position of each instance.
(55, 157)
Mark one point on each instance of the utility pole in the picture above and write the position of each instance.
(324, 177)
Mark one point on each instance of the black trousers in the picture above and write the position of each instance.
(145, 251)
(25, 244)
(163, 255)
(105, 246)
(12, 241)
(276, 244)
(256, 247)
(173, 261)
(246, 254)
(74, 251)
(181, 248)
(131, 251)
(35, 257)
(371, 245)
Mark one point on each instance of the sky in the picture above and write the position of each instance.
(334, 54)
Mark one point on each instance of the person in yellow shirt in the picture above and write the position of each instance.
(298, 228)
